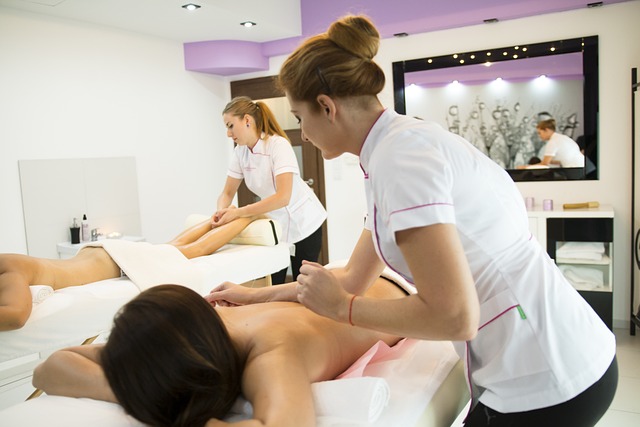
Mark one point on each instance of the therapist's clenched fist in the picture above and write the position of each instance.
(319, 290)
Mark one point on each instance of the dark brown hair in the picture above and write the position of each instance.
(169, 359)
(337, 63)
(263, 116)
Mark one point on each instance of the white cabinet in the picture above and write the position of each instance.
(581, 243)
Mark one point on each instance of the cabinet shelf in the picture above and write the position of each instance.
(588, 289)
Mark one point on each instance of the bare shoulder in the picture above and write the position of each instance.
(326, 347)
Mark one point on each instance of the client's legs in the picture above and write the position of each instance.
(201, 239)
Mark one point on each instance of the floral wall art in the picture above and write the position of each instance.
(499, 117)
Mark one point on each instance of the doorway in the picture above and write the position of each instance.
(309, 158)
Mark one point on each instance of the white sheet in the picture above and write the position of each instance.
(149, 265)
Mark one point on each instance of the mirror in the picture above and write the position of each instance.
(494, 98)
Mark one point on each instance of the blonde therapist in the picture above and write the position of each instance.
(453, 223)
(265, 160)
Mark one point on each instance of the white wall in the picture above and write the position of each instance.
(73, 90)
(618, 31)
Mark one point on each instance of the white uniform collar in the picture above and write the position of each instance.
(260, 145)
(372, 139)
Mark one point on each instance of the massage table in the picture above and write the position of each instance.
(414, 383)
(73, 315)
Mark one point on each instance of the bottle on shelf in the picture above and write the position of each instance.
(85, 229)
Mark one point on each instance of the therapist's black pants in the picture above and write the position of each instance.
(306, 249)
(583, 410)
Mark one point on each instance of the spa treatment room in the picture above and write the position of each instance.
(414, 213)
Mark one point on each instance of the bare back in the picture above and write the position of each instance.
(287, 347)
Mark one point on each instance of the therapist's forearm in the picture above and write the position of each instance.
(264, 206)
(411, 317)
(224, 201)
(284, 292)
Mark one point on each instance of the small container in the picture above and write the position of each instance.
(547, 205)
(75, 232)
(529, 203)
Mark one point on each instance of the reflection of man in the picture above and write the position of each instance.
(559, 150)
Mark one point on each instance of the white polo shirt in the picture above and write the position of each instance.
(565, 150)
(259, 167)
(539, 342)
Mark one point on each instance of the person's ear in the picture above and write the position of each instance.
(327, 106)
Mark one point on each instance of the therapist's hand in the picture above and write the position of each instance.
(229, 294)
(320, 291)
(224, 216)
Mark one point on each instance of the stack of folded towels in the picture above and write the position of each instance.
(582, 277)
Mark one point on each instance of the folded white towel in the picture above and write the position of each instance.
(597, 247)
(40, 292)
(581, 256)
(354, 400)
(583, 277)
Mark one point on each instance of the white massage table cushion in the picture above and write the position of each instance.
(261, 232)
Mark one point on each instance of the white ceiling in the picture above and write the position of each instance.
(215, 20)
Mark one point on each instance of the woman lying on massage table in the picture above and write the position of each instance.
(91, 264)
(173, 360)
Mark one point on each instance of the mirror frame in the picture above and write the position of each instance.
(588, 45)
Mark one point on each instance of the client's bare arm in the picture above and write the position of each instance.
(74, 372)
(271, 379)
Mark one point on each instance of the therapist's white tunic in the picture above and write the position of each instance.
(539, 342)
(259, 167)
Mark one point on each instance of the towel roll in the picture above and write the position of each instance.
(359, 400)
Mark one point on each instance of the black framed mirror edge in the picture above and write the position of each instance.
(588, 45)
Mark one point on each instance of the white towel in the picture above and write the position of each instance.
(40, 292)
(353, 400)
(583, 277)
(150, 265)
(358, 400)
(591, 251)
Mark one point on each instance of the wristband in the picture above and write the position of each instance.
(351, 309)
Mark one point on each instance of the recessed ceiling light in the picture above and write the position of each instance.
(191, 6)
(248, 24)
